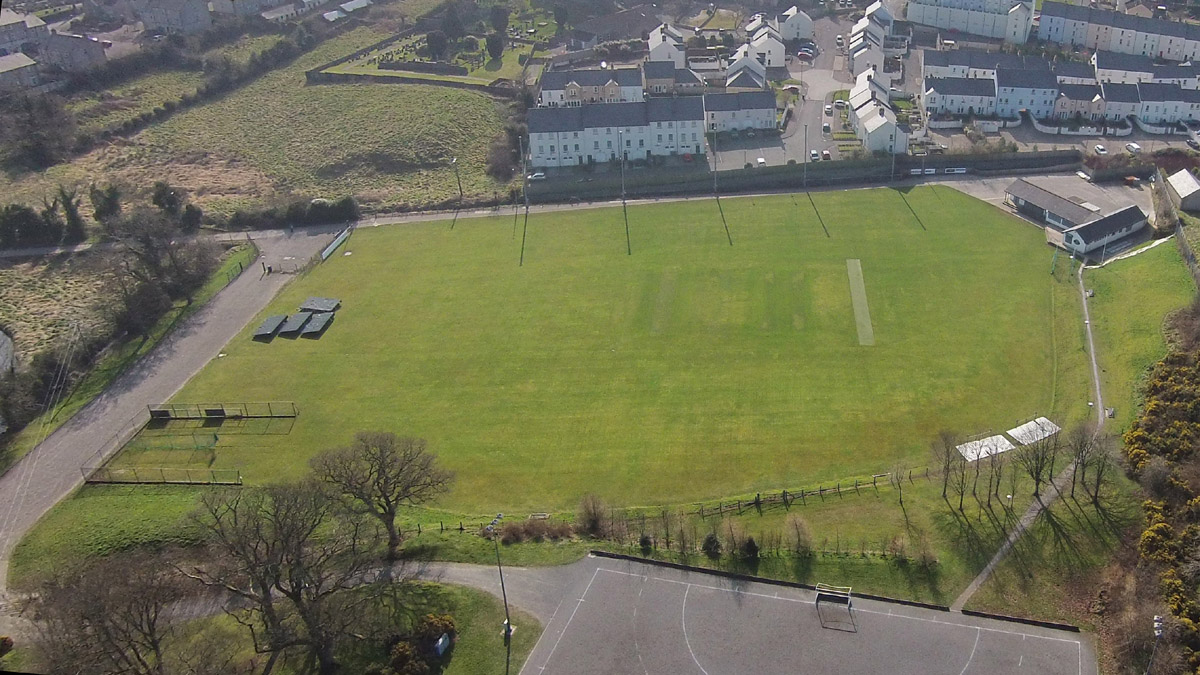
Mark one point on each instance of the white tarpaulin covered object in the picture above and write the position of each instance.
(1034, 431)
(983, 447)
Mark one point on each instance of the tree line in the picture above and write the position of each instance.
(155, 264)
(309, 572)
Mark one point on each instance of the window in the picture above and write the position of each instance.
(608, 130)
(596, 145)
(576, 147)
(575, 134)
(660, 138)
(641, 142)
(540, 150)
(610, 145)
(670, 137)
(628, 143)
(565, 149)
(659, 124)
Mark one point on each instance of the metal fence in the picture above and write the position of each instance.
(142, 475)
(196, 411)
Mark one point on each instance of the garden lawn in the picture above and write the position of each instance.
(691, 369)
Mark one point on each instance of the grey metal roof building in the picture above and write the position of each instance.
(1040, 203)
(1127, 219)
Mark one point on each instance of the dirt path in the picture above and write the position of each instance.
(52, 470)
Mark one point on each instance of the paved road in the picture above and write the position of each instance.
(601, 616)
(628, 617)
(51, 471)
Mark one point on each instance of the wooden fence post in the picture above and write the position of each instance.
(785, 500)
(855, 486)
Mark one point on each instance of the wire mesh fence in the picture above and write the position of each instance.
(195, 411)
(144, 475)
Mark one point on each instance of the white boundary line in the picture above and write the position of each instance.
(971, 658)
(888, 613)
(683, 625)
(569, 620)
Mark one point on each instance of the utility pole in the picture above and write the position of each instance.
(508, 627)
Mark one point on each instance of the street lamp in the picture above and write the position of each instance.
(508, 627)
(454, 163)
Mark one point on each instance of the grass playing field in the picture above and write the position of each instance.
(690, 369)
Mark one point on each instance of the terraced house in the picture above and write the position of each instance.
(1107, 30)
(578, 87)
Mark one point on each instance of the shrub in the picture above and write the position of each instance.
(404, 660)
(433, 626)
(646, 544)
(6, 645)
(1158, 543)
(711, 546)
(800, 538)
(590, 520)
(749, 549)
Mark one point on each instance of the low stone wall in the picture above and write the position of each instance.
(320, 77)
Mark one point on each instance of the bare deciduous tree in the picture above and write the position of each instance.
(1080, 445)
(281, 553)
(379, 473)
(945, 449)
(1037, 459)
(109, 618)
(960, 477)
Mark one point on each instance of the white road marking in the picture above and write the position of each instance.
(966, 665)
(569, 620)
(683, 623)
(864, 611)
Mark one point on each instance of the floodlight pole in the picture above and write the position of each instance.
(508, 629)
(621, 149)
(454, 163)
(806, 157)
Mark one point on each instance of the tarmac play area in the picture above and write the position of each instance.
(629, 617)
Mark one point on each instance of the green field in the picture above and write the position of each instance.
(690, 370)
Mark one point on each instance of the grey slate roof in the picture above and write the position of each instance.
(1157, 91)
(748, 100)
(961, 86)
(1026, 79)
(597, 115)
(1079, 92)
(659, 70)
(1104, 17)
(631, 23)
(977, 58)
(1073, 69)
(1173, 71)
(625, 77)
(1120, 93)
(1110, 224)
(1043, 199)
(1115, 61)
(688, 76)
(745, 79)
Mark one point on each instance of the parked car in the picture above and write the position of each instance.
(841, 42)
(1193, 144)
(814, 156)
(841, 103)
(1101, 150)
(762, 161)
(826, 129)
(1133, 148)
(540, 175)
(825, 155)
(829, 110)
(804, 57)
(687, 157)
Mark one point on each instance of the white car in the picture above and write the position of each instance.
(540, 175)
(1133, 148)
(841, 42)
(841, 103)
(1101, 150)
(829, 110)
(814, 156)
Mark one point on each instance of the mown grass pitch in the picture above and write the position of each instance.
(690, 369)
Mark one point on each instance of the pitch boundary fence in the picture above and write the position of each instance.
(200, 411)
